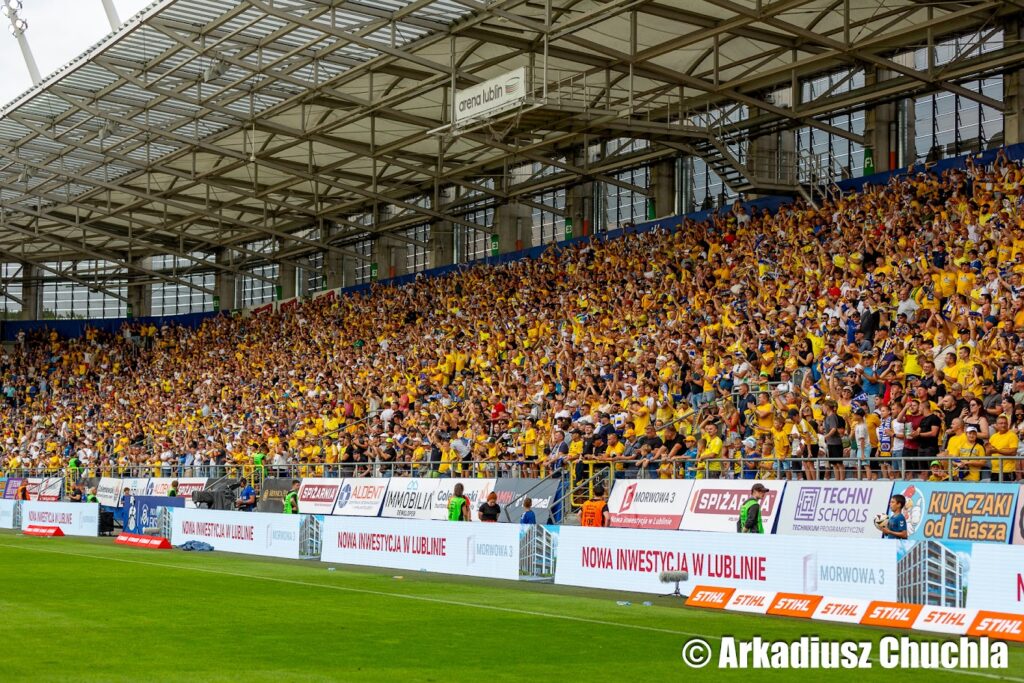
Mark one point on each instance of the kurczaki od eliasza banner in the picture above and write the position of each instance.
(252, 533)
(488, 550)
(714, 505)
(833, 508)
(631, 559)
(74, 519)
(649, 503)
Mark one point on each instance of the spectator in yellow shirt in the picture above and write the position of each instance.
(1002, 448)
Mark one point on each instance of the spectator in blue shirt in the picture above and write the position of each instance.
(247, 497)
(528, 515)
(896, 527)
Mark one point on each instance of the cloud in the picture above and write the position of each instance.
(58, 31)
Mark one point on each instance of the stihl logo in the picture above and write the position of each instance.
(795, 605)
(710, 596)
(839, 609)
(749, 601)
(946, 619)
(997, 626)
(890, 613)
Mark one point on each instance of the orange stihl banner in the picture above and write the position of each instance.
(998, 625)
(891, 614)
(710, 596)
(794, 605)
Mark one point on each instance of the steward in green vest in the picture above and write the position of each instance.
(750, 521)
(291, 499)
(74, 467)
(257, 460)
(173, 492)
(91, 497)
(458, 506)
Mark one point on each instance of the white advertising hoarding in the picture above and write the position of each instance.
(833, 508)
(490, 97)
(361, 497)
(489, 550)
(997, 578)
(161, 486)
(251, 533)
(631, 559)
(7, 513)
(410, 498)
(649, 503)
(474, 490)
(74, 519)
(47, 489)
(317, 496)
(714, 505)
(108, 491)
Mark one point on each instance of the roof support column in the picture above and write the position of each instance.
(286, 276)
(1013, 90)
(514, 225)
(31, 293)
(394, 257)
(888, 130)
(140, 295)
(661, 189)
(442, 233)
(225, 282)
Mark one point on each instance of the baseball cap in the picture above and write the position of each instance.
(971, 428)
(936, 463)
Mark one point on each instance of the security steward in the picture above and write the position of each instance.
(595, 511)
(750, 521)
(173, 492)
(91, 496)
(291, 499)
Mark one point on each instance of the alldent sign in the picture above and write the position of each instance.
(649, 503)
(833, 508)
(714, 505)
(361, 497)
(490, 97)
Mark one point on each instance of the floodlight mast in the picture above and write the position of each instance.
(12, 10)
(112, 17)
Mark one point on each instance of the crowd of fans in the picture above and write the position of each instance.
(880, 335)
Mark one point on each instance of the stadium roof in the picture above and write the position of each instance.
(210, 123)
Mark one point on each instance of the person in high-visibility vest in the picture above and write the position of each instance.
(75, 467)
(91, 496)
(750, 521)
(595, 511)
(291, 499)
(458, 506)
(173, 491)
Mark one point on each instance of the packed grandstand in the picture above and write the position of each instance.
(878, 336)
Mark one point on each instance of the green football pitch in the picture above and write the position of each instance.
(87, 610)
